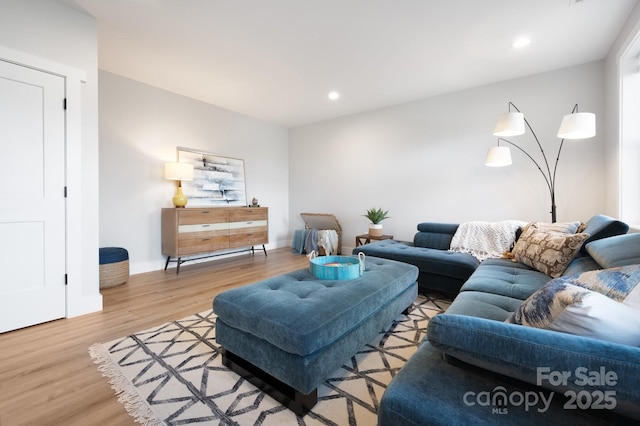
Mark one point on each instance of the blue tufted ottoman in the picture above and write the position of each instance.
(288, 333)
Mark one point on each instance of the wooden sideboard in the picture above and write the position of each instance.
(200, 231)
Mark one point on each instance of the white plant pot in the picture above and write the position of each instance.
(375, 230)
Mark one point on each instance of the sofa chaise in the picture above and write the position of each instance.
(511, 350)
(440, 269)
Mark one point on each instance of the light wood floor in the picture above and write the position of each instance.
(46, 375)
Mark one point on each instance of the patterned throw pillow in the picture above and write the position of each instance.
(579, 304)
(621, 284)
(547, 251)
(567, 227)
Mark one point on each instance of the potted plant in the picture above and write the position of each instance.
(376, 216)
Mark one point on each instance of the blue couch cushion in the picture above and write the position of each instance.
(507, 278)
(484, 305)
(601, 226)
(436, 261)
(520, 352)
(319, 312)
(580, 265)
(435, 235)
(621, 250)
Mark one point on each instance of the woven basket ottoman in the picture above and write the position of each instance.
(288, 333)
(114, 266)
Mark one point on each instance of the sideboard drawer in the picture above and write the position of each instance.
(185, 237)
(247, 226)
(245, 239)
(196, 216)
(221, 228)
(202, 243)
(248, 214)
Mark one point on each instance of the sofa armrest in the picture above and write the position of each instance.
(620, 250)
(435, 235)
(553, 360)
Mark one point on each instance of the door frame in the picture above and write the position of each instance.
(77, 301)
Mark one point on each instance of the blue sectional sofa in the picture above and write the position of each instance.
(475, 368)
(447, 271)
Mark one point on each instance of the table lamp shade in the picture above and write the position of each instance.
(178, 171)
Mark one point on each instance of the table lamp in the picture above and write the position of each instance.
(179, 172)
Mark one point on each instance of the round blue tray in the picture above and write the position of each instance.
(336, 267)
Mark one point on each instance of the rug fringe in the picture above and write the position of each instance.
(135, 405)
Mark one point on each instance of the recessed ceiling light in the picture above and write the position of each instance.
(334, 95)
(521, 42)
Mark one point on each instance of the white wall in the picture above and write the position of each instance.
(424, 160)
(140, 128)
(50, 32)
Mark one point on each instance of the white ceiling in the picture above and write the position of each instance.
(277, 60)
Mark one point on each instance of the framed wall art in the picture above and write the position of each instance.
(217, 180)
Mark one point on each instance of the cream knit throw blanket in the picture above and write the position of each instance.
(328, 240)
(485, 240)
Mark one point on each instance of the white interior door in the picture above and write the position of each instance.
(32, 203)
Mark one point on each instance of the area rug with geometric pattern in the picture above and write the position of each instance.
(173, 375)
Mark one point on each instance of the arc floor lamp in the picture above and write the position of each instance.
(577, 125)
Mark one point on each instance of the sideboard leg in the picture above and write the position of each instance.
(167, 264)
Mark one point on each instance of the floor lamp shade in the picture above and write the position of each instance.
(498, 156)
(179, 172)
(580, 125)
(509, 124)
